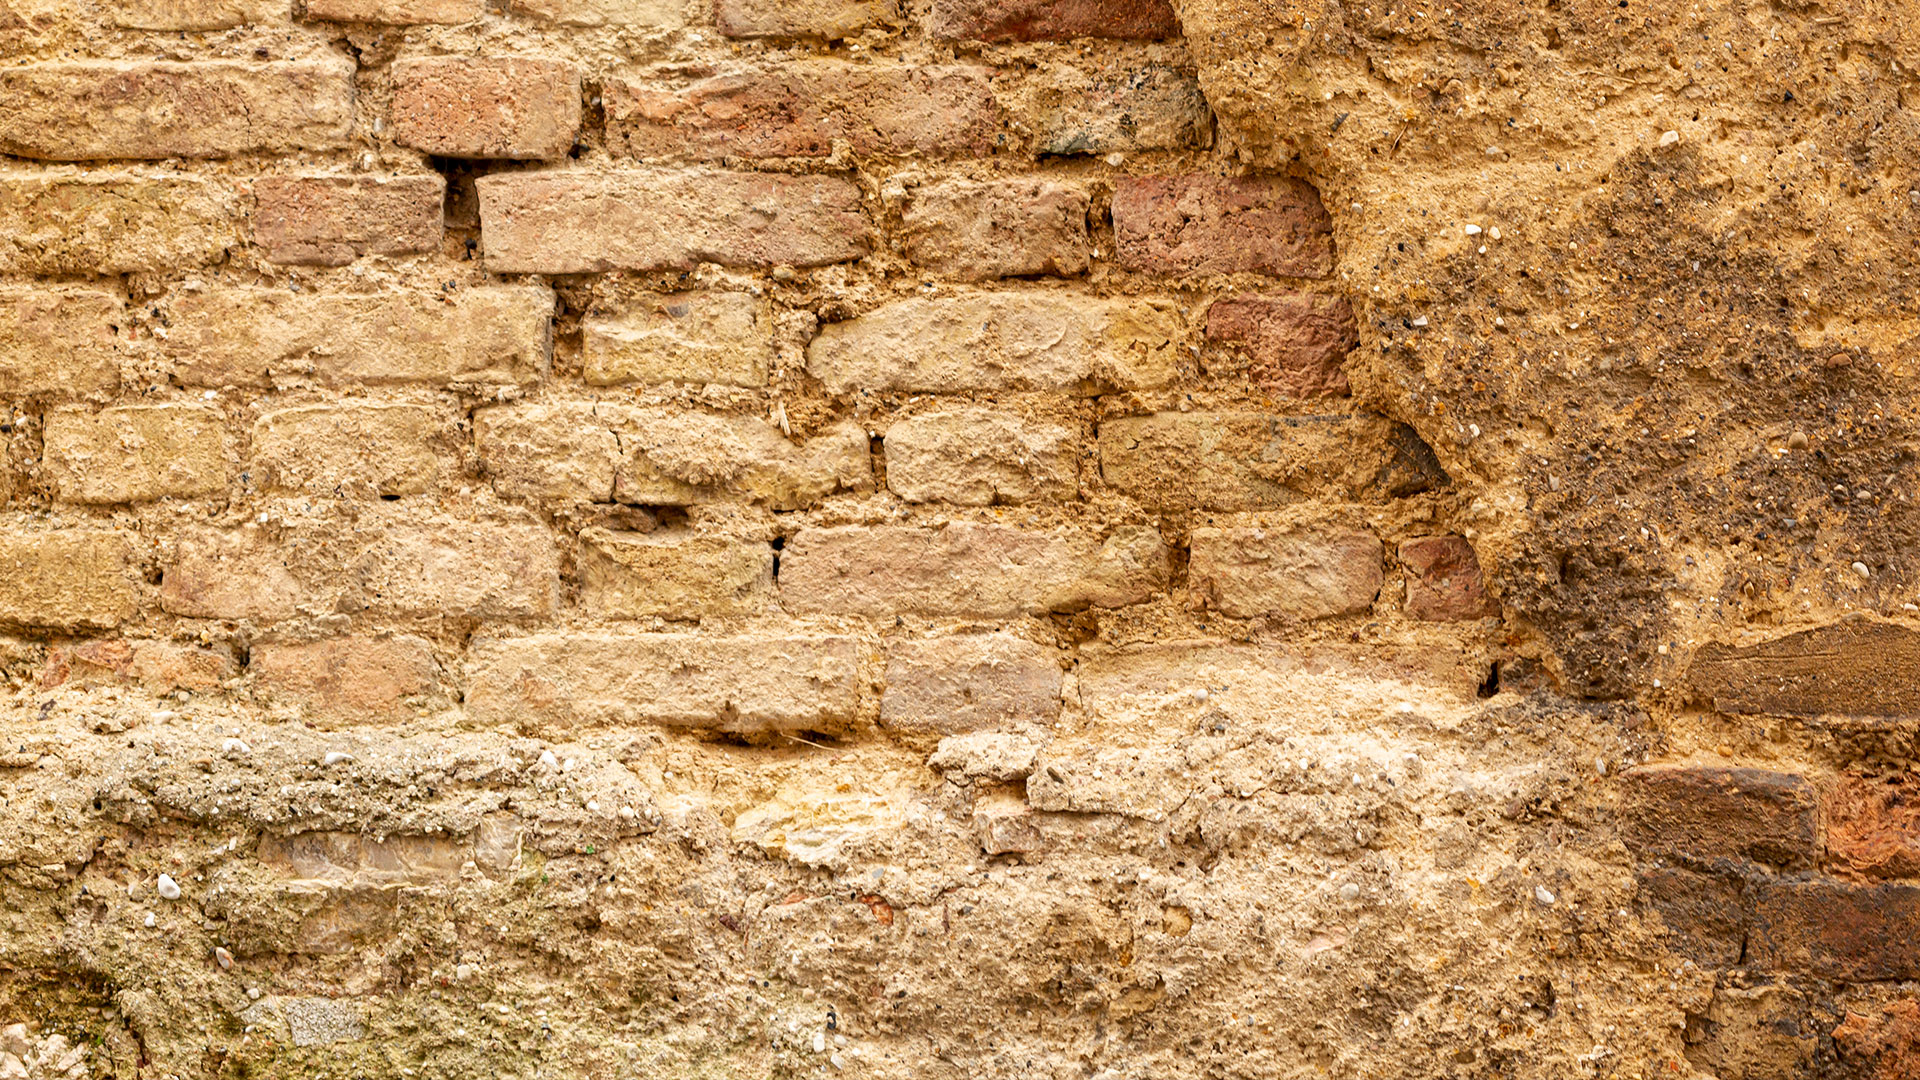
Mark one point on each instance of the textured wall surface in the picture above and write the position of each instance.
(1106, 539)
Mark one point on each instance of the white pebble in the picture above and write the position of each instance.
(1494, 232)
(1349, 891)
(1670, 138)
(148, 921)
(567, 765)
(1421, 321)
(168, 888)
(1541, 894)
(235, 746)
(837, 1061)
(627, 814)
(462, 971)
(1861, 569)
(1473, 230)
(548, 759)
(335, 757)
(223, 958)
(1600, 765)
(819, 1042)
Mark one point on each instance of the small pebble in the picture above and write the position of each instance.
(223, 958)
(1541, 894)
(462, 971)
(235, 746)
(548, 759)
(627, 813)
(1797, 441)
(1495, 233)
(1861, 569)
(837, 1061)
(819, 1042)
(148, 921)
(168, 888)
(1473, 230)
(253, 993)
(335, 757)
(1670, 138)
(1349, 891)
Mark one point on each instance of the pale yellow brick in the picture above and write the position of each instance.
(1292, 572)
(700, 337)
(67, 579)
(354, 447)
(113, 222)
(673, 575)
(350, 679)
(979, 457)
(134, 453)
(59, 340)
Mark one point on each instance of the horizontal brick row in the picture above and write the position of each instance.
(1830, 928)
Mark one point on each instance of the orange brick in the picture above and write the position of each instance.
(332, 220)
(505, 107)
(353, 679)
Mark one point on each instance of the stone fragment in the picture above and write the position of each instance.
(157, 665)
(1705, 815)
(97, 110)
(650, 14)
(496, 107)
(1882, 1045)
(194, 15)
(979, 457)
(59, 341)
(135, 453)
(968, 570)
(682, 458)
(318, 1021)
(1705, 914)
(586, 222)
(332, 220)
(350, 679)
(1855, 667)
(1120, 109)
(1444, 582)
(556, 683)
(372, 447)
(830, 19)
(67, 579)
(1000, 341)
(112, 222)
(673, 575)
(975, 231)
(1051, 20)
(995, 757)
(1755, 1032)
(697, 337)
(1293, 343)
(1198, 224)
(1257, 461)
(396, 12)
(803, 108)
(1305, 573)
(1873, 825)
(969, 682)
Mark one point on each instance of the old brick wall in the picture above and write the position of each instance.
(794, 537)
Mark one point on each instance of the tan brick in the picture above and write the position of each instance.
(196, 14)
(1200, 224)
(1256, 461)
(353, 679)
(112, 223)
(234, 574)
(156, 665)
(104, 109)
(654, 14)
(333, 220)
(554, 683)
(245, 336)
(976, 230)
(1306, 573)
(673, 575)
(352, 448)
(1444, 582)
(59, 340)
(564, 453)
(1000, 341)
(978, 457)
(1295, 343)
(468, 107)
(1051, 20)
(396, 12)
(582, 222)
(1120, 109)
(971, 682)
(133, 453)
(698, 337)
(67, 579)
(831, 19)
(803, 108)
(968, 570)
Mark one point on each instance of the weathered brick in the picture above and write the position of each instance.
(560, 453)
(1221, 225)
(1293, 343)
(67, 579)
(1706, 814)
(492, 335)
(802, 108)
(156, 665)
(1051, 20)
(1256, 461)
(1444, 582)
(831, 19)
(496, 107)
(1755, 1030)
(698, 337)
(234, 574)
(554, 683)
(577, 223)
(59, 340)
(1873, 825)
(352, 679)
(1882, 1045)
(333, 220)
(196, 14)
(133, 453)
(968, 570)
(396, 12)
(969, 682)
(353, 447)
(112, 223)
(1855, 667)
(1705, 914)
(653, 14)
(1000, 341)
(1306, 573)
(1835, 929)
(673, 575)
(96, 110)
(1120, 109)
(975, 230)
(978, 457)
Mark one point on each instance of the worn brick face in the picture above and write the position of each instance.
(509, 107)
(970, 682)
(979, 457)
(113, 222)
(673, 576)
(102, 110)
(645, 14)
(133, 453)
(1294, 343)
(59, 341)
(1835, 929)
(1051, 20)
(697, 337)
(975, 231)
(1121, 109)
(1873, 825)
(67, 579)
(332, 220)
(1856, 667)
(1444, 580)
(1291, 573)
(1254, 461)
(179, 15)
(1221, 225)
(355, 680)
(1705, 815)
(800, 18)
(354, 447)
(158, 665)
(396, 12)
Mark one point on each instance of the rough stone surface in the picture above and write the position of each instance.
(354, 446)
(1306, 574)
(1121, 109)
(1857, 667)
(1051, 20)
(1003, 228)
(395, 12)
(59, 341)
(1221, 225)
(67, 579)
(352, 680)
(112, 222)
(516, 107)
(979, 457)
(332, 220)
(1706, 814)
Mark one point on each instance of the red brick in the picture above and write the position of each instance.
(505, 107)
(332, 220)
(352, 678)
(1292, 343)
(67, 579)
(1873, 825)
(1705, 914)
(829, 19)
(1444, 582)
(975, 231)
(1052, 20)
(1835, 929)
(113, 222)
(583, 222)
(1883, 1045)
(103, 109)
(59, 340)
(396, 12)
(156, 665)
(1705, 814)
(1293, 573)
(1200, 224)
(802, 108)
